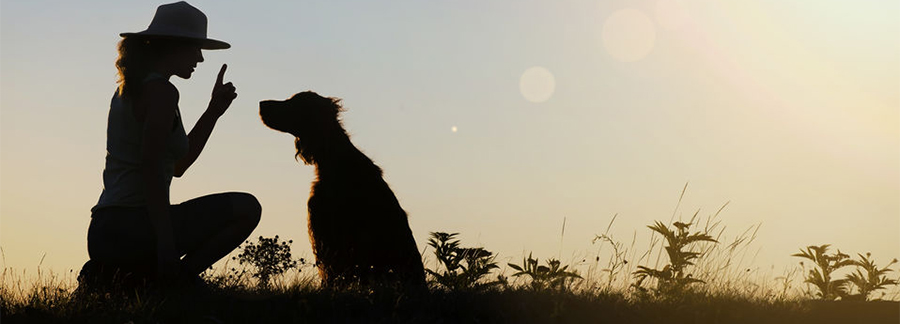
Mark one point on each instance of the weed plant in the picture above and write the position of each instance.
(616, 263)
(268, 257)
(464, 268)
(858, 285)
(673, 278)
(821, 276)
(874, 279)
(553, 275)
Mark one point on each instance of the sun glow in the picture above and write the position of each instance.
(628, 35)
(671, 14)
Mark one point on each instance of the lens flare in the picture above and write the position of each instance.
(537, 84)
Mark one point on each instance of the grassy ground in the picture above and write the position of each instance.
(693, 275)
(302, 302)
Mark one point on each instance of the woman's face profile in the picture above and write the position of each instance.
(183, 59)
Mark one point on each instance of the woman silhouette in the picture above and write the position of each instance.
(134, 229)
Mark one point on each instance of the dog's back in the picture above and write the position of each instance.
(358, 229)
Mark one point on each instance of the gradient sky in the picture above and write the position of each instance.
(496, 119)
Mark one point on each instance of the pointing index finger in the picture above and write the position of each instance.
(221, 76)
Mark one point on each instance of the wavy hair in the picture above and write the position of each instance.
(137, 56)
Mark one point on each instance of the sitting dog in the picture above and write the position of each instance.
(359, 233)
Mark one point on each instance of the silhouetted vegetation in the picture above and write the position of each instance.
(268, 257)
(829, 288)
(696, 285)
(464, 268)
(543, 277)
(872, 280)
(673, 279)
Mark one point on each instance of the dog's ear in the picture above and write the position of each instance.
(329, 108)
(322, 127)
(332, 124)
(336, 106)
(332, 108)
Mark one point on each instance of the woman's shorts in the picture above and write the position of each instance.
(124, 236)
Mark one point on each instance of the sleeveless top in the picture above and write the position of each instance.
(123, 183)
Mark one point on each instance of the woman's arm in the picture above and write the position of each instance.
(157, 105)
(222, 96)
(196, 141)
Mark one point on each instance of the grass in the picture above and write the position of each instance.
(299, 300)
(603, 295)
(617, 282)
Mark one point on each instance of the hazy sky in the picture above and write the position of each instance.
(496, 119)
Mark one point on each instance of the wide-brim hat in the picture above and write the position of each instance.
(180, 20)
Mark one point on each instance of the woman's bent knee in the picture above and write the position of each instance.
(247, 207)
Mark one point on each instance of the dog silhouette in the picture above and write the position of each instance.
(359, 233)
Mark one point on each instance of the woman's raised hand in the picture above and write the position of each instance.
(222, 94)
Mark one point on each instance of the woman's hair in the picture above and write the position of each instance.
(137, 56)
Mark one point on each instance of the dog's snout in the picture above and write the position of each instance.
(267, 107)
(272, 115)
(266, 103)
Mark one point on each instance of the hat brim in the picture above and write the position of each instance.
(205, 43)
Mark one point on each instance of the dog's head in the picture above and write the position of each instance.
(314, 121)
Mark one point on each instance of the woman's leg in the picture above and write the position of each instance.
(209, 227)
(122, 248)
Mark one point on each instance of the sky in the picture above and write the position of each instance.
(500, 120)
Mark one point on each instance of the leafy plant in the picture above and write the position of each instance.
(826, 264)
(544, 277)
(672, 278)
(268, 257)
(464, 268)
(872, 280)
